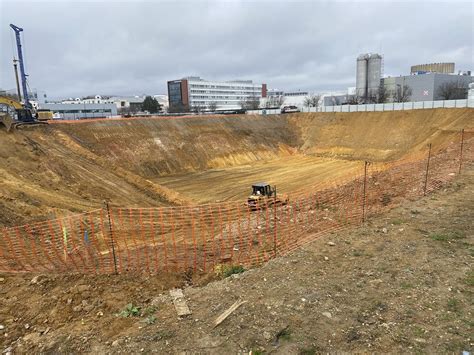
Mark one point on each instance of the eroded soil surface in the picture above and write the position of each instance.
(403, 282)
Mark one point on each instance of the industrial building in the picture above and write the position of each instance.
(426, 87)
(369, 73)
(191, 92)
(424, 82)
(74, 111)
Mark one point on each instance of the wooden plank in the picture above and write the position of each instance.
(228, 312)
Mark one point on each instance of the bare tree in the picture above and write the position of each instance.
(354, 99)
(312, 100)
(250, 103)
(378, 97)
(274, 101)
(212, 106)
(402, 93)
(454, 90)
(197, 108)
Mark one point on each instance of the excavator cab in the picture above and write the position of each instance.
(25, 115)
(14, 114)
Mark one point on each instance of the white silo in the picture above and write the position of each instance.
(374, 74)
(361, 75)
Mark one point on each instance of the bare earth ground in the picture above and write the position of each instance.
(401, 283)
(290, 173)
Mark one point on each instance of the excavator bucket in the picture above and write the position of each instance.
(7, 120)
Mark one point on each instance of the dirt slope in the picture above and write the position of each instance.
(379, 136)
(44, 173)
(67, 168)
(403, 283)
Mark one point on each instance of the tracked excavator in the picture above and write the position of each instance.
(13, 113)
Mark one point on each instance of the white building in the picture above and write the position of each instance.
(191, 92)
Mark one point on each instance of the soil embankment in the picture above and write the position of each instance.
(72, 167)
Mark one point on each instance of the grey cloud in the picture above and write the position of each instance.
(75, 48)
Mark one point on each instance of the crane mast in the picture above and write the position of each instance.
(22, 66)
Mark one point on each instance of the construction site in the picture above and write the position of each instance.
(299, 233)
(91, 203)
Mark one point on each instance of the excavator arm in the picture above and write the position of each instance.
(14, 114)
(10, 102)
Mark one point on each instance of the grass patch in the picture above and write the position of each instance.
(469, 280)
(307, 351)
(418, 331)
(397, 222)
(454, 305)
(447, 237)
(406, 285)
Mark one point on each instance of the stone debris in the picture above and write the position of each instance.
(179, 302)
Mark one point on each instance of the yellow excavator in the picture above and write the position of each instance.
(13, 114)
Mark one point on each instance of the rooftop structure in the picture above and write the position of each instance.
(445, 68)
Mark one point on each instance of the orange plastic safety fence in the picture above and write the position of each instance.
(199, 238)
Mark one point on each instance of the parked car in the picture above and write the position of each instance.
(289, 109)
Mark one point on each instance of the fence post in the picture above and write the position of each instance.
(366, 163)
(460, 154)
(427, 169)
(106, 204)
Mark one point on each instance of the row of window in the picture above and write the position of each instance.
(227, 87)
(83, 111)
(205, 103)
(225, 92)
(223, 97)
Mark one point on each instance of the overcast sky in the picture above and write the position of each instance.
(76, 48)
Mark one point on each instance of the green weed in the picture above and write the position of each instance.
(151, 319)
(232, 269)
(469, 280)
(418, 331)
(130, 311)
(454, 305)
(148, 311)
